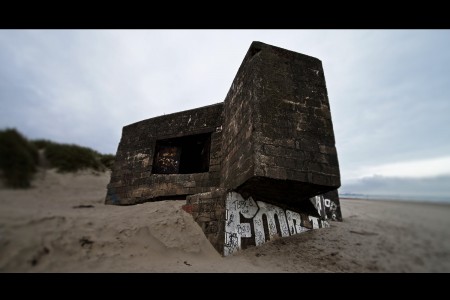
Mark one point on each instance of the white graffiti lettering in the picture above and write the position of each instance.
(267, 221)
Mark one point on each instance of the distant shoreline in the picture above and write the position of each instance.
(413, 201)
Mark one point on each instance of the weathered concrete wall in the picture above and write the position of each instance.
(294, 138)
(208, 210)
(231, 222)
(238, 160)
(132, 180)
(278, 140)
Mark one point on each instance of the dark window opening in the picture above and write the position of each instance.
(170, 197)
(183, 155)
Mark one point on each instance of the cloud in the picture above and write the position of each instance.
(426, 188)
(407, 169)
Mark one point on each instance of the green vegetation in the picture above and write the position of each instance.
(108, 160)
(19, 157)
(69, 157)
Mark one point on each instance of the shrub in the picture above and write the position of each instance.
(70, 158)
(42, 144)
(18, 158)
(108, 160)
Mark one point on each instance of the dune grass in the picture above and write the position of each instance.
(19, 157)
(70, 157)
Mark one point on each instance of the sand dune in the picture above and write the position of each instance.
(62, 225)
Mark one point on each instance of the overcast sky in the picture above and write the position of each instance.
(389, 90)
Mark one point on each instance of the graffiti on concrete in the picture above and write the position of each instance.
(261, 222)
(332, 208)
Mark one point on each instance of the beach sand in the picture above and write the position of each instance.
(62, 225)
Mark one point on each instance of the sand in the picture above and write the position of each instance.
(62, 225)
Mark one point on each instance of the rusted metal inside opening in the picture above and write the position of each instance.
(183, 155)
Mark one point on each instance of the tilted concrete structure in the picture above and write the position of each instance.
(262, 163)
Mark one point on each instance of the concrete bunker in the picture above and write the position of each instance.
(260, 164)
